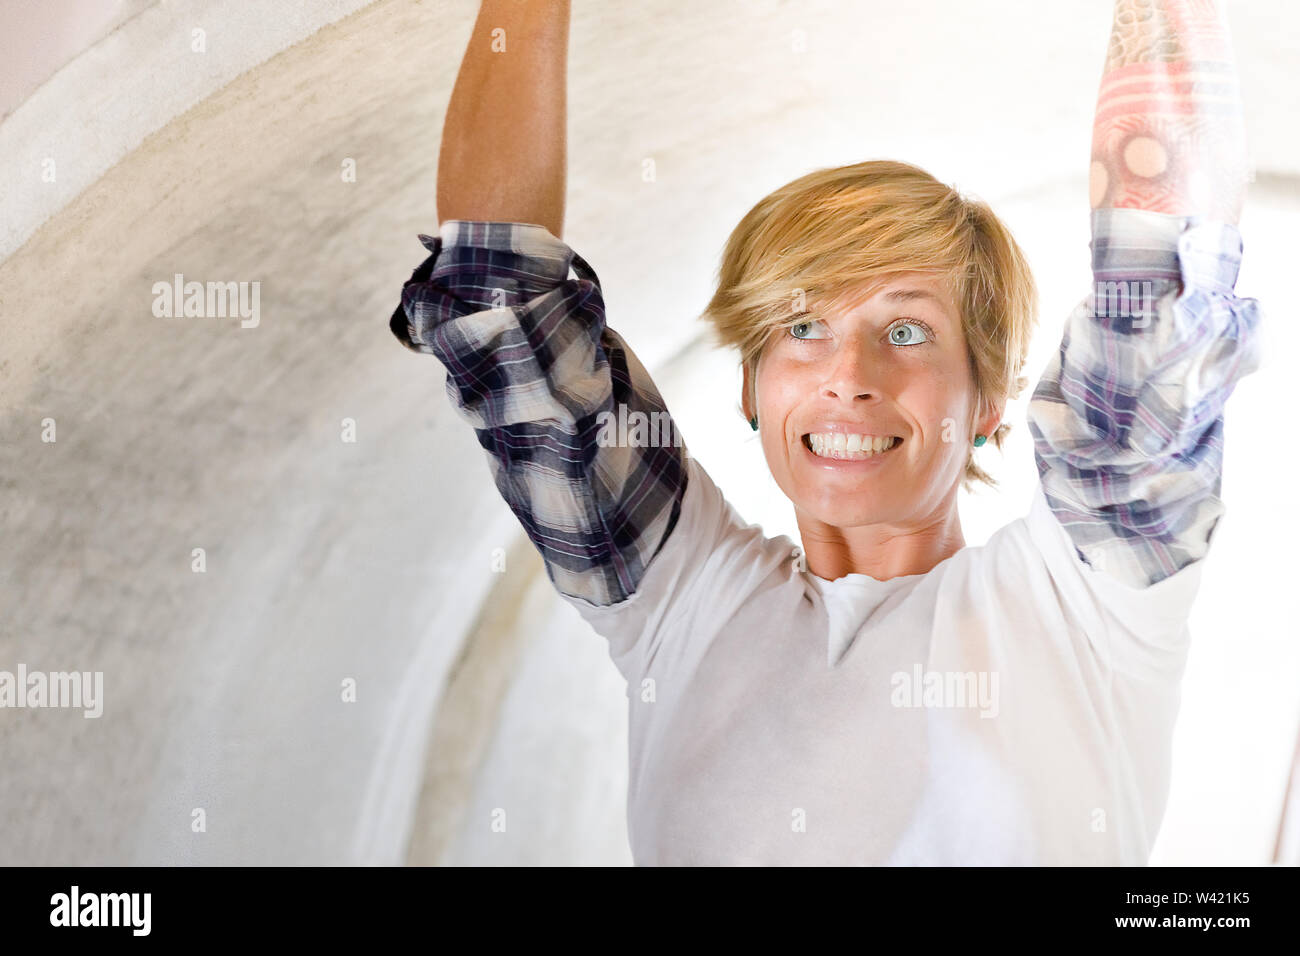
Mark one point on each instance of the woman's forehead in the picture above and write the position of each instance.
(898, 288)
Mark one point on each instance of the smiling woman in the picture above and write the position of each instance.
(873, 308)
(873, 303)
(834, 236)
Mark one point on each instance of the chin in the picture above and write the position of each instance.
(840, 511)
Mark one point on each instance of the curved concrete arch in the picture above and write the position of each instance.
(97, 78)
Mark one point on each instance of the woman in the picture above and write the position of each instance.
(883, 694)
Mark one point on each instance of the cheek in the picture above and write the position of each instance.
(939, 400)
(933, 397)
(781, 384)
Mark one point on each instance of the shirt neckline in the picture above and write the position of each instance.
(866, 580)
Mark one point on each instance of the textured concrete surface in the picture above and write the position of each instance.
(329, 561)
(152, 61)
(38, 44)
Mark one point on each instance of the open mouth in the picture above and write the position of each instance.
(841, 447)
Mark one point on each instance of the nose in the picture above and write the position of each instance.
(848, 378)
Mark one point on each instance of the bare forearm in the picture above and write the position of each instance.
(1169, 134)
(503, 141)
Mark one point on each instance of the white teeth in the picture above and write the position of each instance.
(851, 447)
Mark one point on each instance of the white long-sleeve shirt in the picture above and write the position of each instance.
(1015, 704)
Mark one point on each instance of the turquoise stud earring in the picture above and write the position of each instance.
(980, 440)
(753, 423)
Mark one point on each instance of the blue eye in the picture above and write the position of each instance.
(904, 338)
(806, 329)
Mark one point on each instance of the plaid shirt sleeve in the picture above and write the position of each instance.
(1127, 419)
(533, 368)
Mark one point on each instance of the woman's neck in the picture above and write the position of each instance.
(881, 551)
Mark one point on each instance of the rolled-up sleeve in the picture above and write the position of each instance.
(533, 368)
(1128, 418)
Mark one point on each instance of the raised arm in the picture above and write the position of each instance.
(557, 399)
(503, 141)
(1128, 418)
(1169, 135)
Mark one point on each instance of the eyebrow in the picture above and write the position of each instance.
(908, 295)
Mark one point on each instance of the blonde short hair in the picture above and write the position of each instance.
(834, 228)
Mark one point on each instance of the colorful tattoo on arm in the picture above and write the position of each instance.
(1169, 135)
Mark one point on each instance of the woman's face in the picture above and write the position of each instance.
(881, 364)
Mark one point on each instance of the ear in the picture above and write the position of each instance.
(989, 416)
